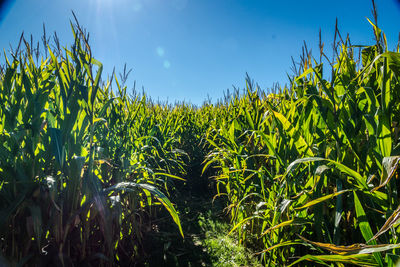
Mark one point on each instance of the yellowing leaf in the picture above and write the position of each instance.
(322, 199)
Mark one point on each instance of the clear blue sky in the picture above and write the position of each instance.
(188, 49)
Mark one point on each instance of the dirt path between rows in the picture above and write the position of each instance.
(205, 226)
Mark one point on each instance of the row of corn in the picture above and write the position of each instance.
(84, 167)
(310, 173)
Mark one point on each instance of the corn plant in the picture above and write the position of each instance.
(80, 167)
(308, 170)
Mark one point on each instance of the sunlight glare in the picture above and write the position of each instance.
(167, 64)
(160, 51)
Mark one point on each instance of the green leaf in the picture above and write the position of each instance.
(57, 146)
(365, 227)
(243, 221)
(292, 222)
(300, 143)
(392, 260)
(249, 119)
(384, 124)
(322, 199)
(165, 201)
(393, 61)
(362, 220)
(129, 186)
(169, 175)
(343, 168)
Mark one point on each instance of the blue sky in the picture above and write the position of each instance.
(191, 49)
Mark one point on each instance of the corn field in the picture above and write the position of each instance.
(309, 172)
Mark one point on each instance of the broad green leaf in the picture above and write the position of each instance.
(362, 220)
(365, 227)
(165, 201)
(300, 143)
(393, 59)
(129, 186)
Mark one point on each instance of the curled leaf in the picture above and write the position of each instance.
(390, 165)
(392, 220)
